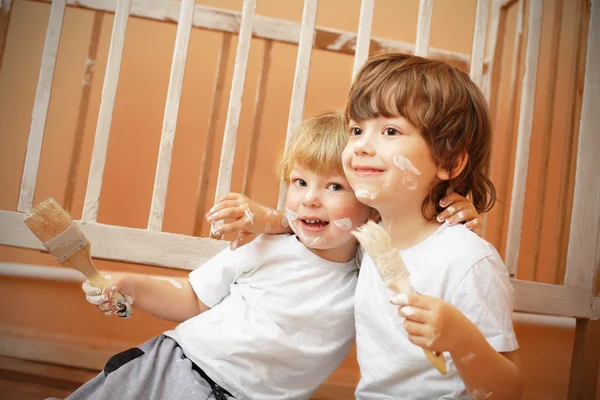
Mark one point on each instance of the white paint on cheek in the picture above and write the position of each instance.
(405, 165)
(362, 194)
(468, 358)
(478, 394)
(291, 215)
(344, 223)
(309, 195)
(249, 216)
(410, 182)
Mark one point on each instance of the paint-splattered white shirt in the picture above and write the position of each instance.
(453, 264)
(282, 319)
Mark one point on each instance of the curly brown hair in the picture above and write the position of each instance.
(447, 107)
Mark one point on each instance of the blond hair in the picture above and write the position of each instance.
(444, 104)
(316, 145)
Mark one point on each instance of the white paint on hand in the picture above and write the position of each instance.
(344, 223)
(468, 358)
(216, 227)
(408, 311)
(478, 394)
(405, 165)
(399, 300)
(433, 338)
(268, 227)
(284, 222)
(249, 216)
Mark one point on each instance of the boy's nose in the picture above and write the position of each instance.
(364, 146)
(311, 199)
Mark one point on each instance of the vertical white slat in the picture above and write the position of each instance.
(585, 218)
(209, 138)
(165, 151)
(257, 118)
(515, 219)
(305, 44)
(423, 27)
(107, 105)
(492, 41)
(235, 99)
(479, 34)
(40, 107)
(363, 37)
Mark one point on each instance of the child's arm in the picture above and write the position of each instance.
(247, 218)
(169, 299)
(438, 326)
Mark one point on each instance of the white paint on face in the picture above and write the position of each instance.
(316, 242)
(310, 195)
(362, 194)
(405, 165)
(468, 358)
(410, 182)
(291, 215)
(344, 224)
(249, 219)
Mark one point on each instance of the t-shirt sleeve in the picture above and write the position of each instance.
(485, 296)
(212, 280)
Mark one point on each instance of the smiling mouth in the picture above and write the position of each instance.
(364, 171)
(314, 224)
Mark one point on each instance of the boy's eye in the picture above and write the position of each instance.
(354, 131)
(335, 187)
(300, 182)
(391, 132)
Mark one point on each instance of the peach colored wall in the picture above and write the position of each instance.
(59, 310)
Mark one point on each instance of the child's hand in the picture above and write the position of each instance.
(247, 218)
(432, 323)
(102, 299)
(459, 209)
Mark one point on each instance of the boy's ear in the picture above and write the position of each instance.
(457, 168)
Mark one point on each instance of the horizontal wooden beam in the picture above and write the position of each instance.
(275, 29)
(122, 244)
(559, 300)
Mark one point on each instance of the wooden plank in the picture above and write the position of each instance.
(543, 298)
(235, 99)
(567, 178)
(259, 106)
(84, 103)
(423, 27)
(479, 34)
(585, 360)
(45, 373)
(165, 151)
(517, 203)
(60, 349)
(309, 16)
(547, 273)
(5, 13)
(278, 30)
(507, 138)
(211, 132)
(585, 218)
(363, 38)
(122, 244)
(107, 105)
(40, 106)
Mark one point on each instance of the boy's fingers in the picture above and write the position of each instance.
(412, 313)
(414, 328)
(222, 206)
(232, 227)
(463, 216)
(228, 213)
(229, 196)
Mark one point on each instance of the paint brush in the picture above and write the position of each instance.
(378, 243)
(53, 226)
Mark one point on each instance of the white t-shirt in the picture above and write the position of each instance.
(453, 264)
(281, 319)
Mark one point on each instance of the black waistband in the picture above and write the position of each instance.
(217, 389)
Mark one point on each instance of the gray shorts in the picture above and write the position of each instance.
(157, 369)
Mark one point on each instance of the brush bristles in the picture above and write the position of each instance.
(47, 220)
(378, 243)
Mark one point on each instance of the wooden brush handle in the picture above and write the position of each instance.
(437, 361)
(82, 261)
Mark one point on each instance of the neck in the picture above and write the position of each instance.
(342, 254)
(407, 227)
